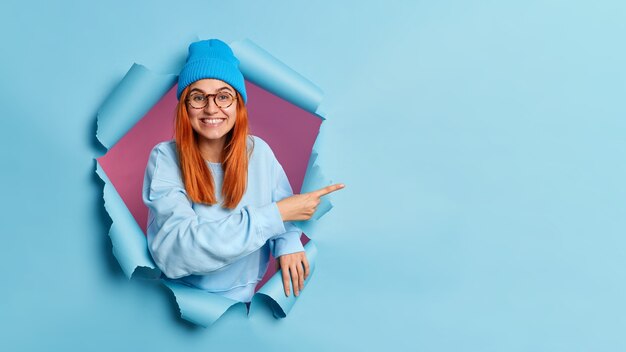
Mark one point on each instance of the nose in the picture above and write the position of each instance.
(211, 107)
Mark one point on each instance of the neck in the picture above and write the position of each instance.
(211, 149)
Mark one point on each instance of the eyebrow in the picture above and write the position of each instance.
(200, 90)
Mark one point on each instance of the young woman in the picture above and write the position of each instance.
(218, 199)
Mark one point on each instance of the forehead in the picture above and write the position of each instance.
(209, 85)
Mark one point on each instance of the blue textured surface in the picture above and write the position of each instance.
(482, 145)
(131, 99)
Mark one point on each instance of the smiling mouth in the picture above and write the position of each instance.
(212, 121)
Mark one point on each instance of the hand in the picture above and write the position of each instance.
(303, 206)
(298, 266)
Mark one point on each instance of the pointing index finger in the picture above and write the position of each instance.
(328, 189)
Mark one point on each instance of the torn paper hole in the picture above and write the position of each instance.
(140, 112)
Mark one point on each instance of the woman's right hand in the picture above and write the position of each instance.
(302, 206)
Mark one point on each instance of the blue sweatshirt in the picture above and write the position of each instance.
(216, 249)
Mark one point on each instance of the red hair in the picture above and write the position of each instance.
(196, 174)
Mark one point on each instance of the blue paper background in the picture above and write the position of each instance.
(482, 144)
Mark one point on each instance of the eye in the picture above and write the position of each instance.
(223, 97)
(198, 98)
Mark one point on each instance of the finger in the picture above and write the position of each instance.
(328, 189)
(294, 280)
(300, 275)
(286, 281)
(306, 266)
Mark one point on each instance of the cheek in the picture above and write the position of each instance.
(231, 124)
(192, 114)
(232, 117)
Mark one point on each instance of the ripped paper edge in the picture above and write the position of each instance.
(119, 114)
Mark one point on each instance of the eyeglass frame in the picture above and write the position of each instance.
(207, 100)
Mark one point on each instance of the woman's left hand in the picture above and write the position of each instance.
(297, 265)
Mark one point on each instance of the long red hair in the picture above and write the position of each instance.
(196, 175)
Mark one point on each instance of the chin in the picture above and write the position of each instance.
(214, 136)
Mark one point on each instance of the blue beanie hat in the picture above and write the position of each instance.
(211, 59)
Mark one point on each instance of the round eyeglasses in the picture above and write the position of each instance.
(200, 101)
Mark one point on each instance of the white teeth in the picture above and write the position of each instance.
(212, 121)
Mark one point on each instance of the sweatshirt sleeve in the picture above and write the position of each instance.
(288, 242)
(183, 243)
